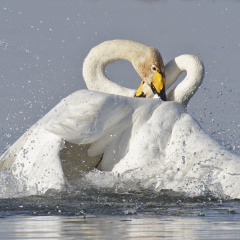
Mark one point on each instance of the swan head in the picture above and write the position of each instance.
(150, 68)
(146, 60)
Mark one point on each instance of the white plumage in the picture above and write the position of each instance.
(153, 144)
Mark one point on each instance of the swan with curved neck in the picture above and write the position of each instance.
(146, 60)
(137, 140)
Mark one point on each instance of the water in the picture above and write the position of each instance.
(103, 214)
(58, 227)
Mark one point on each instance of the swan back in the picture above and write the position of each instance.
(195, 73)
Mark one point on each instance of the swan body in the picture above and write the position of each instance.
(167, 152)
(180, 156)
(144, 142)
(34, 161)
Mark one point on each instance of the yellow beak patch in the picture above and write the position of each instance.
(158, 81)
(157, 86)
(139, 92)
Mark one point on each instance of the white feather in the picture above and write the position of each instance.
(156, 144)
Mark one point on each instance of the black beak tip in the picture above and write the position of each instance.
(162, 94)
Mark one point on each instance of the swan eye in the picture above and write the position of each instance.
(154, 68)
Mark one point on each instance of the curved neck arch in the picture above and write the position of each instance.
(185, 89)
(106, 52)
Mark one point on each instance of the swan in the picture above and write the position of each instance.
(141, 142)
(159, 146)
(34, 162)
(147, 62)
(170, 150)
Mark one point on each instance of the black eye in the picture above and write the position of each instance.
(154, 68)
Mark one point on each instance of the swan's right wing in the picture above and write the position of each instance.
(32, 164)
(92, 123)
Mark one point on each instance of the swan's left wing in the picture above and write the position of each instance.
(85, 115)
(199, 160)
(102, 120)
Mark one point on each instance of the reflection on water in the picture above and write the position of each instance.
(59, 227)
(102, 214)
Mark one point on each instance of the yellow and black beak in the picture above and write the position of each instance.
(158, 85)
(140, 92)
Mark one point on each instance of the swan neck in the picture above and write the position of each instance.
(101, 55)
(195, 72)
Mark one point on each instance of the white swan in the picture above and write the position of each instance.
(142, 142)
(169, 150)
(34, 162)
(147, 62)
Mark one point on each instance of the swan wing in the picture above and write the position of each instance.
(199, 158)
(171, 151)
(32, 164)
(104, 121)
(94, 123)
(84, 116)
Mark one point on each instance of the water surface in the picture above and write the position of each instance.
(102, 214)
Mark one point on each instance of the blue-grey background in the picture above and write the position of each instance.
(43, 44)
